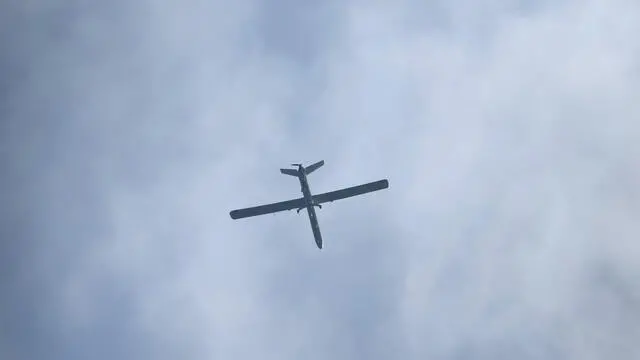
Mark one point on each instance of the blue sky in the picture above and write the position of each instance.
(507, 129)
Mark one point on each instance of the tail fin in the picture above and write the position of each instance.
(311, 168)
(292, 172)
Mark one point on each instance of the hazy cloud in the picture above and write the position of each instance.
(507, 130)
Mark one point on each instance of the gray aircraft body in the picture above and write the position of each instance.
(308, 200)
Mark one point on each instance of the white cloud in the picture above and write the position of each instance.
(508, 136)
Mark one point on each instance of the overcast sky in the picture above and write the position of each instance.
(509, 131)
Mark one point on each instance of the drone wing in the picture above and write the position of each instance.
(351, 191)
(267, 209)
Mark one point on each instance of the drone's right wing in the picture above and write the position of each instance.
(267, 209)
(351, 191)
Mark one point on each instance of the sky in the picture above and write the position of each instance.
(507, 129)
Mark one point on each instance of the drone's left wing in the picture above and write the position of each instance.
(267, 209)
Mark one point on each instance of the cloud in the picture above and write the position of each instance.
(507, 133)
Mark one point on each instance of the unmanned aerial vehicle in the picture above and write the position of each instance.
(308, 200)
